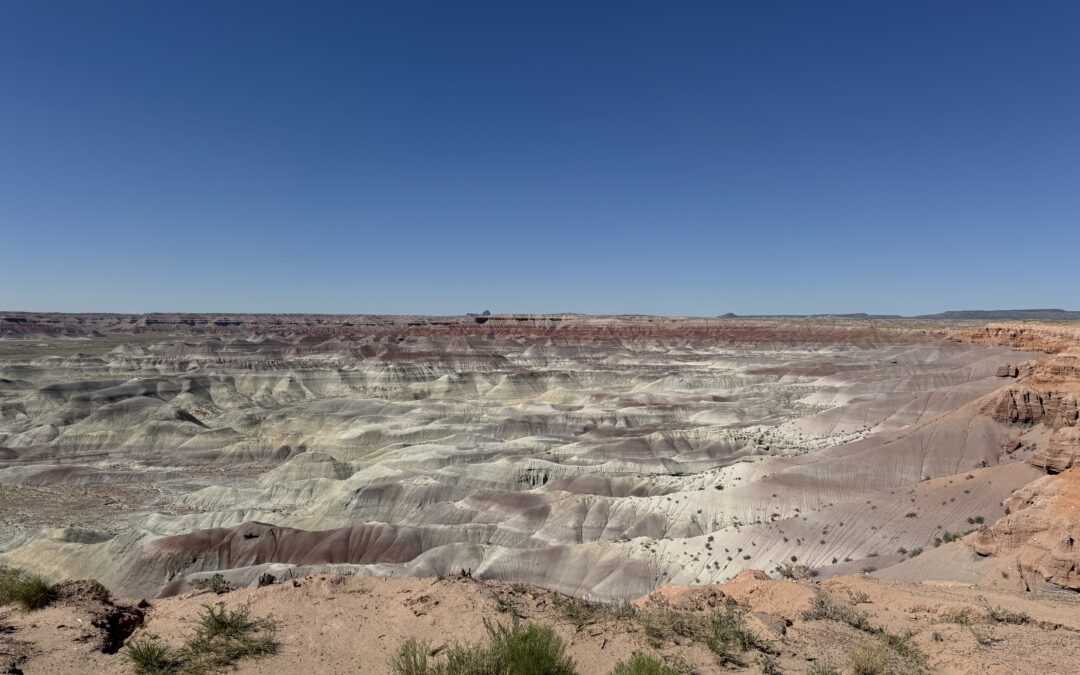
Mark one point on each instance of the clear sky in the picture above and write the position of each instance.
(445, 157)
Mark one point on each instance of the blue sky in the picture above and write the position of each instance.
(665, 158)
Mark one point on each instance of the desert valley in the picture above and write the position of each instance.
(410, 477)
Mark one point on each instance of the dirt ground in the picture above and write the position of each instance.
(352, 624)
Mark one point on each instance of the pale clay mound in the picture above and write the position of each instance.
(603, 457)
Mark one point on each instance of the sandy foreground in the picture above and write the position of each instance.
(354, 624)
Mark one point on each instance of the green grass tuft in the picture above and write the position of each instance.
(412, 658)
(517, 649)
(149, 656)
(28, 591)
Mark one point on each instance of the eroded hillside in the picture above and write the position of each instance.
(600, 457)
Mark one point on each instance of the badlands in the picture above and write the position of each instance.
(401, 477)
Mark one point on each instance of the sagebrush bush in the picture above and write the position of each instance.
(223, 637)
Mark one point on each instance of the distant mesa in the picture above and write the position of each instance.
(1006, 315)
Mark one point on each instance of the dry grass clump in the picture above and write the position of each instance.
(215, 584)
(884, 654)
(644, 664)
(580, 612)
(723, 631)
(791, 571)
(870, 658)
(966, 616)
(518, 649)
(1002, 615)
(150, 656)
(979, 622)
(883, 657)
(28, 591)
(827, 608)
(221, 638)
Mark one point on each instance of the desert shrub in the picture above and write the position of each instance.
(826, 608)
(216, 584)
(871, 658)
(768, 665)
(964, 616)
(505, 604)
(789, 571)
(723, 631)
(1002, 615)
(950, 537)
(886, 654)
(643, 664)
(223, 637)
(28, 591)
(727, 633)
(411, 658)
(822, 669)
(528, 649)
(663, 625)
(149, 656)
(622, 611)
(858, 597)
(579, 612)
(901, 644)
(982, 634)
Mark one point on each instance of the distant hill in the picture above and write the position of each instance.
(952, 315)
(1006, 315)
